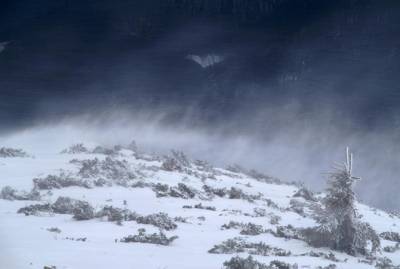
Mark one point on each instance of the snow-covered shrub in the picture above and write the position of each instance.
(210, 191)
(251, 229)
(391, 236)
(385, 263)
(83, 211)
(114, 214)
(170, 164)
(35, 209)
(75, 149)
(330, 256)
(392, 249)
(179, 191)
(287, 232)
(231, 225)
(106, 151)
(12, 153)
(64, 205)
(161, 190)
(142, 237)
(54, 230)
(177, 161)
(160, 220)
(236, 193)
(59, 181)
(270, 203)
(200, 206)
(238, 245)
(180, 219)
(306, 194)
(250, 263)
(8, 193)
(259, 212)
(182, 191)
(247, 263)
(274, 219)
(330, 266)
(246, 228)
(230, 246)
(204, 166)
(118, 171)
(275, 264)
(297, 206)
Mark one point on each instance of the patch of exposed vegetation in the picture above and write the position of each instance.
(12, 153)
(391, 236)
(160, 220)
(8, 193)
(238, 245)
(200, 206)
(246, 228)
(142, 237)
(63, 180)
(180, 191)
(250, 263)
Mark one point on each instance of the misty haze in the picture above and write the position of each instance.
(200, 134)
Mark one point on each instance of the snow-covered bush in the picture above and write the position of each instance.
(236, 193)
(8, 193)
(62, 180)
(385, 263)
(391, 236)
(64, 205)
(250, 263)
(179, 191)
(247, 263)
(306, 194)
(246, 228)
(109, 168)
(106, 151)
(238, 245)
(287, 232)
(75, 149)
(274, 219)
(12, 153)
(330, 256)
(177, 161)
(54, 230)
(392, 249)
(200, 206)
(251, 229)
(142, 237)
(160, 220)
(297, 206)
(83, 211)
(211, 192)
(35, 209)
(114, 214)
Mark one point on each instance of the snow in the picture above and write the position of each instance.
(26, 242)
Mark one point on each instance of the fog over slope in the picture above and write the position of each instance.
(299, 82)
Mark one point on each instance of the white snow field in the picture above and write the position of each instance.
(197, 198)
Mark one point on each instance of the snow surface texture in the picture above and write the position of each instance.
(97, 207)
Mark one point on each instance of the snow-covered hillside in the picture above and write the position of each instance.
(95, 207)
